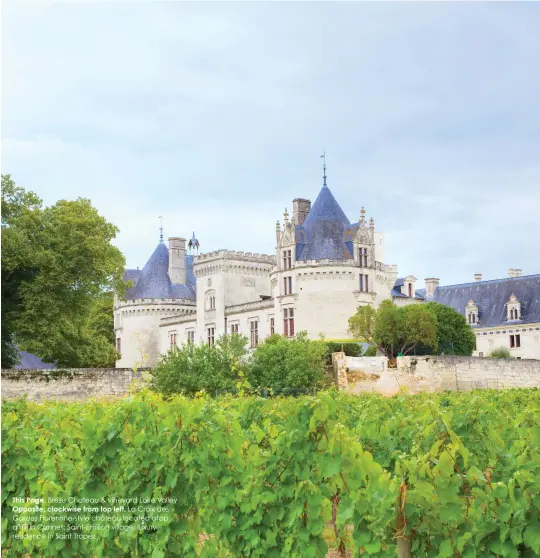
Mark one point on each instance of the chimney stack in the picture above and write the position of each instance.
(431, 284)
(177, 260)
(514, 272)
(478, 277)
(301, 208)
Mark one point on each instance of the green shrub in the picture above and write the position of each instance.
(350, 348)
(500, 352)
(280, 363)
(371, 351)
(193, 368)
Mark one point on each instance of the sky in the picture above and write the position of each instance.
(215, 114)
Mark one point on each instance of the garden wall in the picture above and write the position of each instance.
(70, 384)
(433, 373)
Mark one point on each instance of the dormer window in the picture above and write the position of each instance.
(513, 308)
(409, 288)
(471, 312)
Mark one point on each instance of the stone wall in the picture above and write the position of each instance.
(434, 373)
(69, 385)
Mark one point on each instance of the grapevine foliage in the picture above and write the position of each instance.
(456, 474)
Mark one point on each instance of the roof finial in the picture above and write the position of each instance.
(323, 157)
(161, 229)
(362, 215)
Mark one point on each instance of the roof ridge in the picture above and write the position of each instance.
(489, 281)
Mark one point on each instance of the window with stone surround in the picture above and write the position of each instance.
(287, 285)
(471, 312)
(288, 322)
(513, 308)
(234, 328)
(515, 341)
(363, 256)
(210, 335)
(172, 340)
(254, 333)
(119, 344)
(364, 283)
(190, 335)
(272, 326)
(287, 259)
(210, 300)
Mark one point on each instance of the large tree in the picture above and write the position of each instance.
(59, 272)
(395, 330)
(454, 335)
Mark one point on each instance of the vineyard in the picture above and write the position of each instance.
(451, 474)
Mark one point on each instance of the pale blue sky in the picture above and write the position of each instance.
(214, 115)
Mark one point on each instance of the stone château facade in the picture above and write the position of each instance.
(323, 268)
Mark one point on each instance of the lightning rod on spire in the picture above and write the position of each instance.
(161, 229)
(323, 157)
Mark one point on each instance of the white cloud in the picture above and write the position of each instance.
(214, 115)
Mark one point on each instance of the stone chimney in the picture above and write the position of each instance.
(301, 209)
(514, 272)
(177, 260)
(478, 277)
(431, 284)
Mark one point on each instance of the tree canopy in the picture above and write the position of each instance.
(59, 273)
(454, 335)
(430, 328)
(395, 330)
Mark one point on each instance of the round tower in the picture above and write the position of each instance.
(164, 287)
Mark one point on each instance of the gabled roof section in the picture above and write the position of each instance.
(322, 235)
(491, 298)
(153, 280)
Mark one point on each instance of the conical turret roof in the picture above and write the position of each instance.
(153, 281)
(322, 234)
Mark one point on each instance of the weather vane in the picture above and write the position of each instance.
(161, 228)
(323, 157)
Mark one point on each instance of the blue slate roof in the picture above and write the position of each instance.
(153, 280)
(132, 275)
(322, 235)
(491, 298)
(29, 361)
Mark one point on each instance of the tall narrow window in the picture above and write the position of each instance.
(287, 285)
(515, 341)
(191, 336)
(272, 326)
(119, 344)
(288, 322)
(234, 328)
(254, 330)
(287, 259)
(172, 340)
(364, 286)
(211, 332)
(410, 290)
(363, 257)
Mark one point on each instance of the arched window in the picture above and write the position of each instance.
(210, 303)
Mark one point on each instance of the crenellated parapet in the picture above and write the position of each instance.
(165, 302)
(235, 255)
(249, 306)
(230, 261)
(179, 319)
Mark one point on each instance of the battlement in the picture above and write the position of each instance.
(326, 263)
(249, 306)
(154, 302)
(181, 319)
(235, 255)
